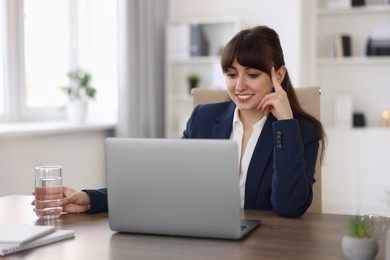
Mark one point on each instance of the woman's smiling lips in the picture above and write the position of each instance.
(244, 97)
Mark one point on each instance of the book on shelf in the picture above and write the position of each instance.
(185, 41)
(198, 43)
(56, 235)
(338, 3)
(344, 3)
(337, 45)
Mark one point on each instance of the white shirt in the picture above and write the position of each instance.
(236, 135)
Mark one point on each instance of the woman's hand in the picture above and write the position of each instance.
(276, 102)
(74, 201)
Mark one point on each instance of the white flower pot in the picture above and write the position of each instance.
(359, 248)
(77, 110)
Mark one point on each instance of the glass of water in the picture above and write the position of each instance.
(48, 191)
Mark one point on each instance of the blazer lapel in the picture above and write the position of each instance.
(224, 123)
(259, 161)
(261, 155)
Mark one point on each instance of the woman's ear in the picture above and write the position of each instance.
(280, 73)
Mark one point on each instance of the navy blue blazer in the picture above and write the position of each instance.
(281, 172)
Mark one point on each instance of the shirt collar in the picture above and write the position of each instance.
(236, 118)
(237, 121)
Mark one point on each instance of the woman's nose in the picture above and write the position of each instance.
(240, 84)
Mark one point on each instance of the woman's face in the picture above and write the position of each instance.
(247, 86)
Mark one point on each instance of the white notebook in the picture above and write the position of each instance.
(57, 235)
(18, 234)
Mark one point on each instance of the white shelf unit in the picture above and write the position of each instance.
(355, 172)
(180, 64)
(366, 79)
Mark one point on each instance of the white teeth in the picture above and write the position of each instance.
(244, 96)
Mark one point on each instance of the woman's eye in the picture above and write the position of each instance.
(253, 76)
(230, 75)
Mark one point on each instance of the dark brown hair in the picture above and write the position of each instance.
(260, 48)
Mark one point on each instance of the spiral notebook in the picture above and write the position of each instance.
(18, 234)
(57, 235)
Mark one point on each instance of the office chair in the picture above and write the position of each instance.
(309, 99)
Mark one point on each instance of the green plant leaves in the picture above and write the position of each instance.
(79, 85)
(360, 227)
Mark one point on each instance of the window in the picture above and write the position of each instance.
(43, 40)
(46, 52)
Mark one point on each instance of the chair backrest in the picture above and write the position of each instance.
(309, 99)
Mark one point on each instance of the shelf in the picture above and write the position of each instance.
(352, 75)
(197, 60)
(357, 130)
(234, 21)
(368, 9)
(181, 62)
(359, 60)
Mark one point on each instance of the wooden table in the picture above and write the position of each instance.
(313, 236)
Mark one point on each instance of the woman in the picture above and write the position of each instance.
(278, 141)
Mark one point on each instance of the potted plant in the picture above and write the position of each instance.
(359, 243)
(193, 81)
(79, 92)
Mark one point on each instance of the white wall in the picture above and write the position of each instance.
(283, 16)
(81, 154)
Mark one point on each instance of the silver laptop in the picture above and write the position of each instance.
(180, 187)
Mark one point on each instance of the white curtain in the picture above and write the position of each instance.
(141, 26)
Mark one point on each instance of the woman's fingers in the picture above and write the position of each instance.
(276, 102)
(275, 82)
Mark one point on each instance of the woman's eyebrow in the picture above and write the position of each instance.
(249, 68)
